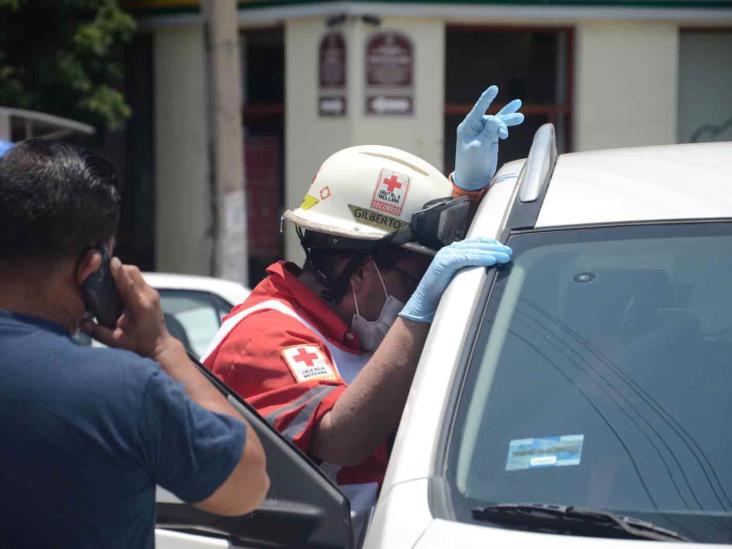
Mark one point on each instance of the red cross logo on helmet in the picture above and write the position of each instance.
(391, 192)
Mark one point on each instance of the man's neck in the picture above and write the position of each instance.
(39, 296)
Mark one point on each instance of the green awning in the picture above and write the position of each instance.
(157, 7)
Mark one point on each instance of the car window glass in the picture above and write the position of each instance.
(193, 316)
(601, 378)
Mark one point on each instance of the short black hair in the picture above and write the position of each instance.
(56, 199)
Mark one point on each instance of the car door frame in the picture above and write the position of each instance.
(303, 507)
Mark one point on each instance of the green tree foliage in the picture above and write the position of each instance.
(64, 57)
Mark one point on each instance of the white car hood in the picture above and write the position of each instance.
(443, 534)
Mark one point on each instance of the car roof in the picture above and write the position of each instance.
(671, 182)
(232, 292)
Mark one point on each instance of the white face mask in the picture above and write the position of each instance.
(371, 332)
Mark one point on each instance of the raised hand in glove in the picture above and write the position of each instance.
(476, 151)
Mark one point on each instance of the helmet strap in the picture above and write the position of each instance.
(305, 243)
(335, 286)
(338, 286)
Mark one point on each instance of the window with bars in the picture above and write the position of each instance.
(532, 64)
(705, 71)
(263, 71)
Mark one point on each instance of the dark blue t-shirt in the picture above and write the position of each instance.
(87, 433)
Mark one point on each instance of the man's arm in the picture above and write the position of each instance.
(142, 329)
(370, 408)
(248, 483)
(368, 411)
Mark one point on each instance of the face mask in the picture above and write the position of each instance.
(371, 332)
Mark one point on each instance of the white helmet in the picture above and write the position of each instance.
(371, 192)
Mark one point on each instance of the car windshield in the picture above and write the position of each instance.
(601, 377)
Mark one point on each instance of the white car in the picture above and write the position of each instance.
(582, 391)
(193, 306)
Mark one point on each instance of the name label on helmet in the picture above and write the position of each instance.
(376, 219)
(391, 192)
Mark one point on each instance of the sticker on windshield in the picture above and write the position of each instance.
(528, 453)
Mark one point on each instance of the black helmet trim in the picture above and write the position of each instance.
(439, 223)
(335, 286)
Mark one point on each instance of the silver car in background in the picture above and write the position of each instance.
(193, 306)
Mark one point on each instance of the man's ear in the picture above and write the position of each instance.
(90, 262)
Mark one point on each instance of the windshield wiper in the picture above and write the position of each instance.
(562, 519)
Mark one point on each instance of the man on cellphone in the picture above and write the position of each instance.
(89, 432)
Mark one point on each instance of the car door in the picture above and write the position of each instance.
(302, 509)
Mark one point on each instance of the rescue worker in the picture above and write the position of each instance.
(327, 353)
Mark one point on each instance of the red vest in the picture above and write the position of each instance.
(291, 357)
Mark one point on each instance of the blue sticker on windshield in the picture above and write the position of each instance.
(528, 453)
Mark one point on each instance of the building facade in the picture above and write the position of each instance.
(320, 76)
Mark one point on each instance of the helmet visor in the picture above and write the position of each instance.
(439, 223)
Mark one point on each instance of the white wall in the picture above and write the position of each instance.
(625, 94)
(422, 133)
(626, 84)
(310, 139)
(182, 210)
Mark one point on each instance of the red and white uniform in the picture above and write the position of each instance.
(291, 357)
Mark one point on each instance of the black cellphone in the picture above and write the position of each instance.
(101, 297)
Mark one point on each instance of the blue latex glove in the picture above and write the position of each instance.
(476, 151)
(474, 252)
